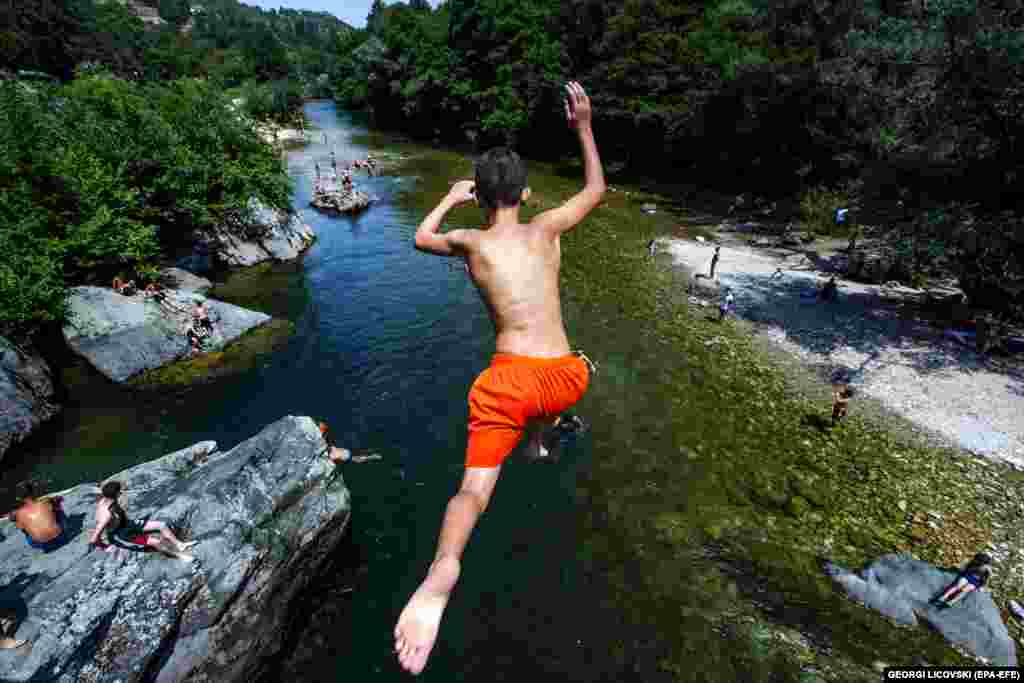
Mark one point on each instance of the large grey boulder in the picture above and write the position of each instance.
(123, 336)
(340, 200)
(26, 393)
(268, 514)
(901, 587)
(259, 234)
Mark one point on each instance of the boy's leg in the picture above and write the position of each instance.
(416, 631)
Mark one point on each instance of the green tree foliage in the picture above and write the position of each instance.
(99, 175)
(904, 99)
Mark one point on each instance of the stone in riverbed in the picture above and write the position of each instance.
(122, 336)
(901, 587)
(26, 393)
(268, 516)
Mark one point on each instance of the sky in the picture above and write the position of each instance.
(352, 12)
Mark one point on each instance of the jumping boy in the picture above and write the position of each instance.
(533, 376)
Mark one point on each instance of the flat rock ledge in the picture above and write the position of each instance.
(122, 336)
(268, 514)
(340, 201)
(901, 587)
(26, 393)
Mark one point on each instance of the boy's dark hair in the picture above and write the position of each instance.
(500, 178)
(112, 489)
(25, 489)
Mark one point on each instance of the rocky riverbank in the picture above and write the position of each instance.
(872, 334)
(267, 516)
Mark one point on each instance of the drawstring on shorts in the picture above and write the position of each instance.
(590, 364)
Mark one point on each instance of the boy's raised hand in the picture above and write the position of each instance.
(577, 106)
(463, 192)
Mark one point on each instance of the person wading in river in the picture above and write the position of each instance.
(533, 377)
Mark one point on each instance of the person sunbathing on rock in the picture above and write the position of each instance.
(40, 519)
(975, 575)
(122, 287)
(533, 377)
(133, 534)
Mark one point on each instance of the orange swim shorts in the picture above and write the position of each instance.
(513, 391)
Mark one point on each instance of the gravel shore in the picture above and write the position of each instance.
(946, 388)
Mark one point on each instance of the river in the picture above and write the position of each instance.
(595, 567)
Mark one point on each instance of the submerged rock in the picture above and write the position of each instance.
(268, 515)
(901, 588)
(26, 393)
(340, 200)
(122, 336)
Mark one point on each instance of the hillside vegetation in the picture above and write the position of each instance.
(910, 111)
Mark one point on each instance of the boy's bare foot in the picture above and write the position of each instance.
(416, 631)
(11, 643)
(188, 544)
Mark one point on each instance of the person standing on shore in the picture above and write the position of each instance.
(841, 395)
(533, 377)
(714, 262)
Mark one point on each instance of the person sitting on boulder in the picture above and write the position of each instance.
(194, 339)
(975, 575)
(122, 287)
(132, 534)
(40, 519)
(830, 292)
(8, 627)
(201, 317)
(155, 292)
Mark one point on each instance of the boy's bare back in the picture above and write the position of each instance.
(516, 266)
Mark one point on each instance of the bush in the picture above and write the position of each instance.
(97, 175)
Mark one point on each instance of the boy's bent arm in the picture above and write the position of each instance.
(428, 235)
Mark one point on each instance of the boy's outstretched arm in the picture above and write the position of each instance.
(578, 112)
(454, 243)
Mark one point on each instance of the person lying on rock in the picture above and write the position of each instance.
(137, 534)
(533, 377)
(8, 627)
(975, 575)
(42, 520)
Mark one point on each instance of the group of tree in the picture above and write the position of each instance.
(104, 176)
(910, 110)
(224, 40)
